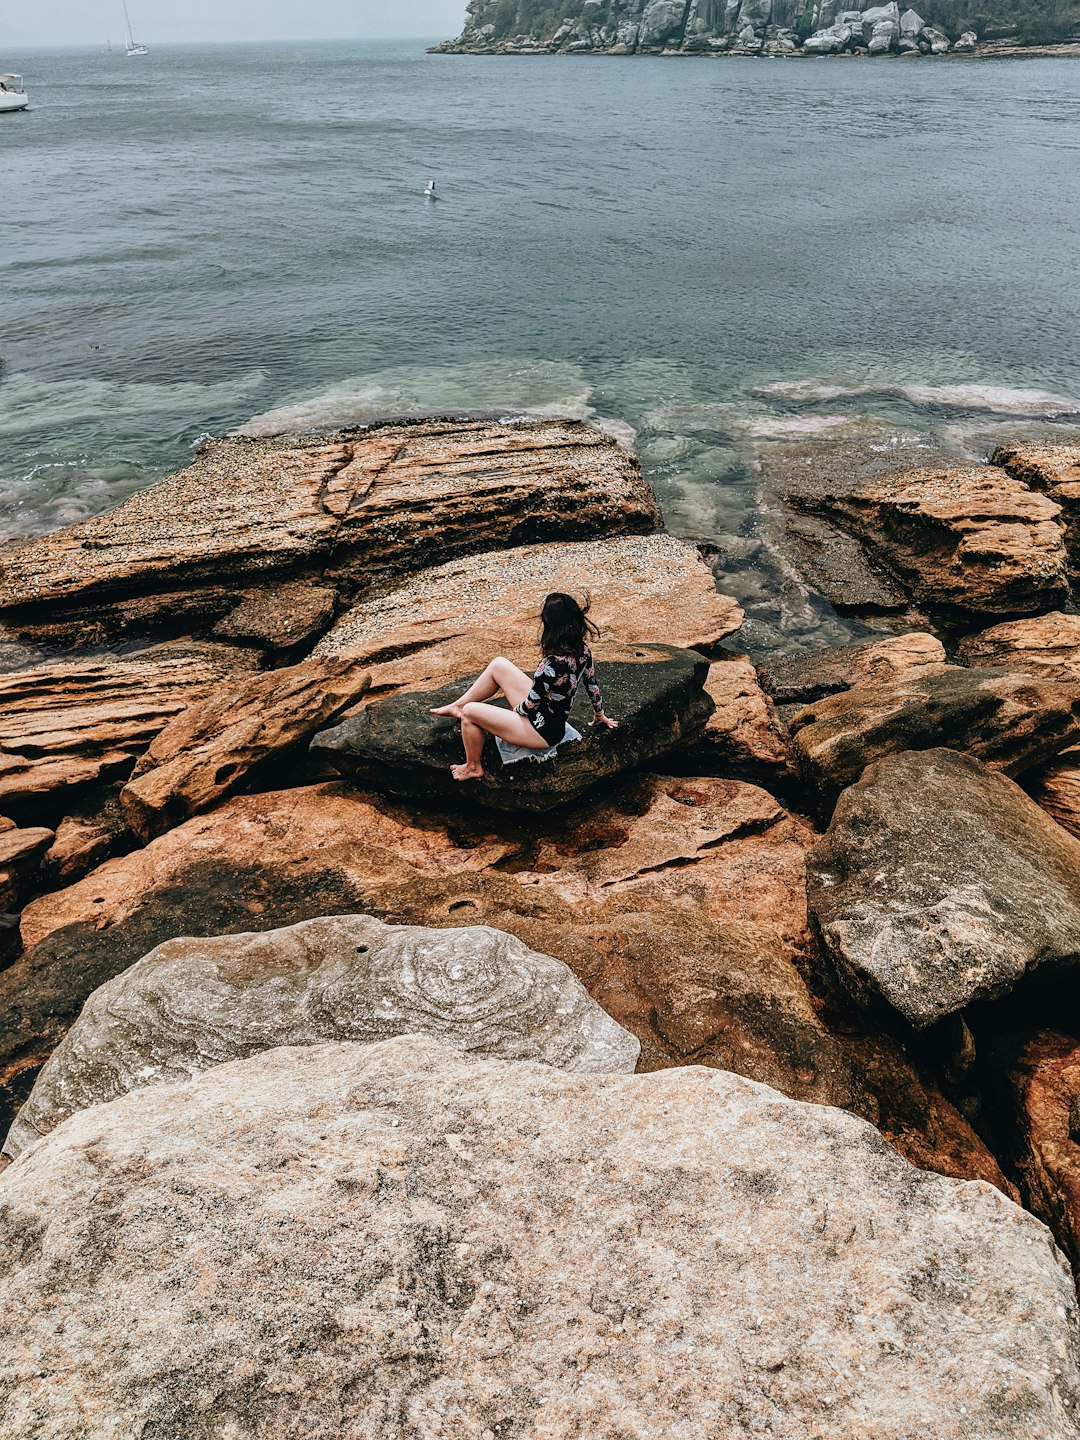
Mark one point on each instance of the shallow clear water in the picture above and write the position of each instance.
(724, 255)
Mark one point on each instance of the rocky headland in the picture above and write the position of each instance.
(718, 1077)
(770, 28)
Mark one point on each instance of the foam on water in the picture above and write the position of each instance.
(997, 399)
(29, 404)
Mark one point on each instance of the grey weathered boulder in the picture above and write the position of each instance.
(822, 42)
(940, 882)
(967, 42)
(1009, 719)
(395, 744)
(660, 21)
(936, 39)
(195, 1003)
(883, 37)
(911, 22)
(398, 1240)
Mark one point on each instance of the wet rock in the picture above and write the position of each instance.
(350, 511)
(802, 679)
(217, 742)
(395, 745)
(192, 1004)
(501, 1259)
(940, 882)
(1006, 718)
(20, 852)
(679, 903)
(969, 541)
(1054, 471)
(66, 724)
(1045, 1085)
(446, 621)
(280, 619)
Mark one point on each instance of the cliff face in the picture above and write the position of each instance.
(770, 27)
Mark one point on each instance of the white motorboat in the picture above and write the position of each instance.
(133, 46)
(12, 94)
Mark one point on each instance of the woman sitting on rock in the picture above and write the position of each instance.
(542, 704)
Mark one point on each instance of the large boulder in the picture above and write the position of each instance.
(350, 510)
(967, 43)
(801, 679)
(679, 903)
(402, 1240)
(1046, 645)
(443, 622)
(395, 744)
(216, 743)
(192, 1004)
(1053, 470)
(744, 735)
(939, 883)
(964, 542)
(1006, 718)
(661, 21)
(911, 22)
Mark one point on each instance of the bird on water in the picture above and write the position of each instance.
(430, 191)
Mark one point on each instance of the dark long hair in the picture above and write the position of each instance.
(565, 627)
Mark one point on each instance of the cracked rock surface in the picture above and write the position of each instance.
(398, 1240)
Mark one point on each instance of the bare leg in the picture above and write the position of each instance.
(473, 737)
(479, 720)
(501, 675)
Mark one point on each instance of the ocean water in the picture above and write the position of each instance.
(719, 256)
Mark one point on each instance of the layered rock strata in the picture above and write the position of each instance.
(802, 679)
(192, 1004)
(1055, 471)
(395, 745)
(349, 511)
(922, 891)
(409, 1240)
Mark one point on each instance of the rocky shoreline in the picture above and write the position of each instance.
(342, 1100)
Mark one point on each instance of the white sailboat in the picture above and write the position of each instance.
(12, 94)
(133, 47)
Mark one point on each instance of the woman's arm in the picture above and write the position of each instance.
(591, 684)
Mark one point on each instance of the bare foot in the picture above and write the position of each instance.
(453, 709)
(467, 772)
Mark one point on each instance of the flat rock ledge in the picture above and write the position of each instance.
(344, 512)
(940, 882)
(398, 1240)
(395, 745)
(192, 1004)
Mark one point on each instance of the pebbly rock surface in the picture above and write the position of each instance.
(679, 903)
(1006, 718)
(1054, 470)
(69, 723)
(216, 743)
(1045, 645)
(346, 512)
(395, 745)
(399, 1240)
(192, 1004)
(940, 882)
(802, 679)
(963, 542)
(280, 619)
(445, 621)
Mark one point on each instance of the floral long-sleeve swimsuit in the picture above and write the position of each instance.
(555, 683)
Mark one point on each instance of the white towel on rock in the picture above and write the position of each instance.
(511, 754)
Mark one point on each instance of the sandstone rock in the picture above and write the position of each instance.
(281, 618)
(971, 541)
(966, 44)
(80, 845)
(940, 882)
(216, 743)
(1008, 719)
(679, 903)
(1045, 1083)
(353, 509)
(743, 735)
(71, 722)
(1056, 787)
(1046, 645)
(458, 1243)
(192, 1004)
(1053, 470)
(20, 851)
(397, 746)
(443, 622)
(801, 679)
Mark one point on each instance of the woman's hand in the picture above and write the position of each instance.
(603, 720)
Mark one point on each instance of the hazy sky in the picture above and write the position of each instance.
(88, 22)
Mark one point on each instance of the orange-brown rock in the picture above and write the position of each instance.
(802, 679)
(71, 722)
(450, 620)
(79, 846)
(1055, 471)
(1045, 645)
(1056, 787)
(216, 742)
(1045, 1083)
(20, 851)
(356, 508)
(679, 903)
(967, 541)
(280, 618)
(744, 735)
